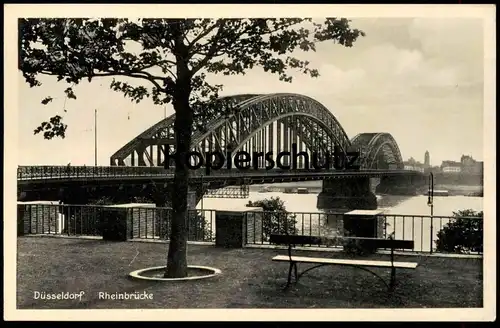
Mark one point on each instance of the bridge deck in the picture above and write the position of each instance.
(59, 173)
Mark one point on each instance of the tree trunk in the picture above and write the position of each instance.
(183, 127)
(177, 250)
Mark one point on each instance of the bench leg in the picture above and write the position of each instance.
(293, 266)
(393, 279)
(295, 272)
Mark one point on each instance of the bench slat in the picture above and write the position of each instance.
(318, 260)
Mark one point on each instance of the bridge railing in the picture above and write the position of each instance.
(409, 227)
(72, 172)
(65, 172)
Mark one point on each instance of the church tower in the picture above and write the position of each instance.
(427, 159)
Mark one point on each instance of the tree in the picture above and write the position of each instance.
(464, 234)
(275, 219)
(172, 57)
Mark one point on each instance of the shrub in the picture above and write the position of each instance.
(462, 235)
(275, 218)
(199, 228)
(105, 200)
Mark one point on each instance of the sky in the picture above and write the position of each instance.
(420, 80)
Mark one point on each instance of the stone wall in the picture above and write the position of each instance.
(38, 218)
(254, 226)
(143, 222)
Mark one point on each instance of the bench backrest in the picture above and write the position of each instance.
(385, 243)
(316, 240)
(292, 240)
(295, 240)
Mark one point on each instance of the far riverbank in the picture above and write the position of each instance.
(316, 186)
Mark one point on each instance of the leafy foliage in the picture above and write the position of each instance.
(54, 127)
(152, 50)
(199, 227)
(462, 235)
(105, 200)
(275, 218)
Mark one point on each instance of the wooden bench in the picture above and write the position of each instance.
(294, 240)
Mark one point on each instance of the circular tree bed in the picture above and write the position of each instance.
(195, 272)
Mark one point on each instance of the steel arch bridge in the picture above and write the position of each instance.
(378, 151)
(263, 123)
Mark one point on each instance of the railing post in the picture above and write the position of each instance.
(432, 232)
(430, 202)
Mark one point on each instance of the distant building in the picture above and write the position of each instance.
(412, 165)
(470, 165)
(451, 167)
(467, 165)
(434, 169)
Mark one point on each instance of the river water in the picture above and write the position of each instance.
(410, 227)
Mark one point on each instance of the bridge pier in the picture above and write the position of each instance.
(347, 194)
(162, 198)
(409, 185)
(374, 182)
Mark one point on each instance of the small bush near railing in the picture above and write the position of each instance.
(199, 229)
(462, 235)
(275, 218)
(353, 247)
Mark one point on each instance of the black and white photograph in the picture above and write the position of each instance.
(241, 157)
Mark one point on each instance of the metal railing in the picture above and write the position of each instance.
(261, 224)
(408, 227)
(72, 172)
(145, 222)
(90, 220)
(425, 231)
(155, 223)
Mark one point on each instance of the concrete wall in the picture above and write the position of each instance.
(234, 228)
(143, 219)
(40, 217)
(254, 225)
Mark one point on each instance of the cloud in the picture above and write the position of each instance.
(453, 41)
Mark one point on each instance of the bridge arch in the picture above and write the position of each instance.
(378, 151)
(260, 123)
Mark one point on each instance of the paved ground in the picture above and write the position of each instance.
(249, 280)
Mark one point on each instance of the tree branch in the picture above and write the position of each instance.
(147, 76)
(212, 50)
(202, 35)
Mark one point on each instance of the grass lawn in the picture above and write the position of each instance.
(249, 279)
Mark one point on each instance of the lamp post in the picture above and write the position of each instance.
(95, 137)
(430, 203)
(202, 193)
